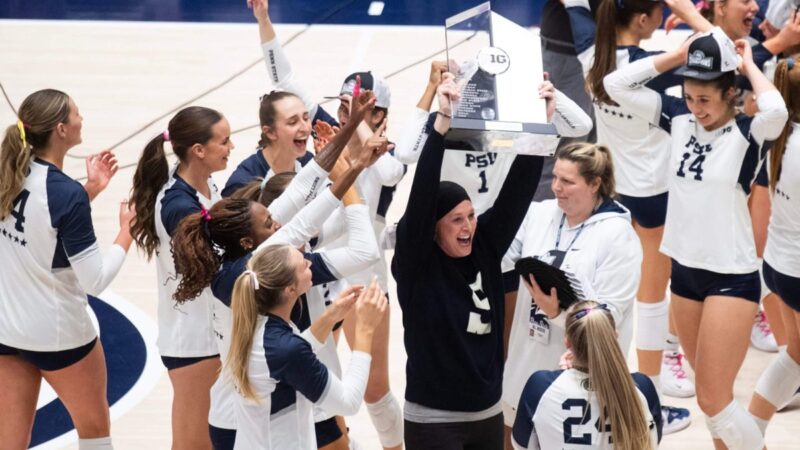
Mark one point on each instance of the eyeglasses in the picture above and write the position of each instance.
(585, 311)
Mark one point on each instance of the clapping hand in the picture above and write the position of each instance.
(100, 168)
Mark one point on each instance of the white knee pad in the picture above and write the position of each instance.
(652, 326)
(737, 429)
(387, 418)
(779, 382)
(103, 443)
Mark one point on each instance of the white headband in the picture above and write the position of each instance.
(253, 278)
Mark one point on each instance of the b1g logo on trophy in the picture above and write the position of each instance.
(494, 60)
(499, 108)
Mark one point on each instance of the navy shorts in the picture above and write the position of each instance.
(327, 432)
(172, 362)
(221, 438)
(649, 212)
(787, 288)
(50, 360)
(697, 284)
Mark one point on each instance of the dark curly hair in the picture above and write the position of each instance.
(199, 246)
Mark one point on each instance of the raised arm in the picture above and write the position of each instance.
(570, 120)
(361, 250)
(627, 86)
(583, 31)
(415, 133)
(772, 113)
(278, 66)
(415, 231)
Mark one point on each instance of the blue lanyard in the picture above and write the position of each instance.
(561, 226)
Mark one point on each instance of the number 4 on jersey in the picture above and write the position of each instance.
(18, 210)
(696, 166)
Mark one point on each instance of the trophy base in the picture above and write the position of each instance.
(506, 137)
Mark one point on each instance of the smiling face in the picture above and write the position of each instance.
(262, 225)
(291, 128)
(735, 17)
(214, 153)
(710, 107)
(456, 230)
(576, 196)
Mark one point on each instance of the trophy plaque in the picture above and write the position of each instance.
(498, 67)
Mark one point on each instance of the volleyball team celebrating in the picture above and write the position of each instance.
(671, 200)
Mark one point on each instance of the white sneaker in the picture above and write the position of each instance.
(761, 336)
(674, 381)
(674, 419)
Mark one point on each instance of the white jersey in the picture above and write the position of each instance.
(556, 411)
(288, 379)
(639, 150)
(52, 262)
(603, 253)
(184, 331)
(480, 173)
(708, 223)
(783, 236)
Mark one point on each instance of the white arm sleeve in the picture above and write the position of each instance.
(388, 170)
(626, 86)
(332, 229)
(343, 398)
(770, 118)
(306, 223)
(569, 118)
(301, 190)
(361, 250)
(282, 76)
(413, 138)
(95, 271)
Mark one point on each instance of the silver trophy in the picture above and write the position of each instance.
(498, 66)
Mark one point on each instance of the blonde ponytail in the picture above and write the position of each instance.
(256, 292)
(39, 114)
(590, 329)
(14, 159)
(245, 315)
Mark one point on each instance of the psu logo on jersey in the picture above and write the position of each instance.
(132, 364)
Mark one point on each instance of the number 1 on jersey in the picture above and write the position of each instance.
(484, 185)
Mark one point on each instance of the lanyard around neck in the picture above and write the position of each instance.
(561, 227)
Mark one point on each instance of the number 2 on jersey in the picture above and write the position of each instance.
(582, 419)
(18, 210)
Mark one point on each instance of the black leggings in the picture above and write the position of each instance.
(484, 434)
